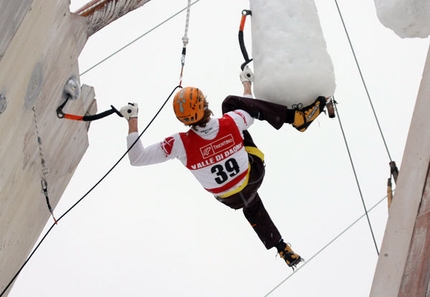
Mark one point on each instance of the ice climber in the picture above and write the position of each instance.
(221, 153)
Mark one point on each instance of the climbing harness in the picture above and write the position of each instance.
(45, 170)
(245, 13)
(185, 40)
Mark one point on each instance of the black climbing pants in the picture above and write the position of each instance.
(252, 206)
(248, 199)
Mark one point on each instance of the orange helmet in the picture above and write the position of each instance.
(188, 105)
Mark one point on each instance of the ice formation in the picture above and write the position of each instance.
(291, 62)
(407, 18)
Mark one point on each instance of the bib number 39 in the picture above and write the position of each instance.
(229, 169)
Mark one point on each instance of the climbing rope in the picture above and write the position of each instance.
(114, 166)
(136, 39)
(356, 180)
(394, 171)
(86, 194)
(332, 110)
(70, 92)
(185, 40)
(69, 95)
(45, 170)
(326, 246)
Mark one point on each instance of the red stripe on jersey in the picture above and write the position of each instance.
(241, 115)
(167, 145)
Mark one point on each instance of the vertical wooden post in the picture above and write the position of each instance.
(403, 268)
(416, 276)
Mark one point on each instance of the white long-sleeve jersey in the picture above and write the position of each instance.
(214, 154)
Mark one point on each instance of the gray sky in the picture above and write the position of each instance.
(153, 231)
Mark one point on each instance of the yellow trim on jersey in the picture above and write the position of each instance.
(239, 188)
(252, 151)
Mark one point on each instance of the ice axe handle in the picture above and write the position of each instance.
(116, 111)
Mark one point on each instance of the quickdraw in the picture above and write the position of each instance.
(245, 13)
(394, 172)
(45, 170)
(44, 185)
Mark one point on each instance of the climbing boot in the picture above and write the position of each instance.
(290, 257)
(304, 116)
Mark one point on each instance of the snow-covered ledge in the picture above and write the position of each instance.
(407, 18)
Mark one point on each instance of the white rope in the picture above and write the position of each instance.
(185, 42)
(45, 170)
(187, 24)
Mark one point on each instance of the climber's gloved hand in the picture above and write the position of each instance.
(130, 111)
(246, 74)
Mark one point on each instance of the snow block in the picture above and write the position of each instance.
(291, 62)
(407, 18)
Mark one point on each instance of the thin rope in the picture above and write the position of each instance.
(324, 247)
(366, 212)
(85, 195)
(45, 170)
(185, 40)
(123, 156)
(363, 81)
(356, 179)
(187, 23)
(136, 39)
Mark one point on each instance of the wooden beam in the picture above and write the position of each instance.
(416, 276)
(39, 58)
(402, 259)
(90, 7)
(11, 16)
(39, 52)
(100, 13)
